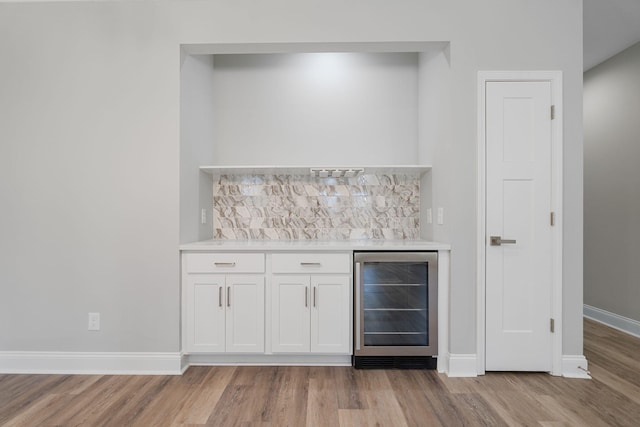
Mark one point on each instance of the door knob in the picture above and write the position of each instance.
(498, 240)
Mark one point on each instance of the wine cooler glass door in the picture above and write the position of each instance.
(395, 306)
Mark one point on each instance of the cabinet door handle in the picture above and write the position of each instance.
(224, 264)
(220, 296)
(228, 296)
(310, 264)
(356, 286)
(314, 295)
(306, 296)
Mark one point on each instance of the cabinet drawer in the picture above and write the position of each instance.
(225, 263)
(311, 263)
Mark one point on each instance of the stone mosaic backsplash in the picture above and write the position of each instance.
(277, 207)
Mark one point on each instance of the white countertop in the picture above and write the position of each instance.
(314, 245)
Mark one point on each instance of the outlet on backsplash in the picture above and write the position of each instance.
(281, 206)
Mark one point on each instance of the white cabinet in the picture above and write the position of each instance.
(205, 318)
(331, 314)
(309, 263)
(311, 312)
(225, 263)
(291, 315)
(224, 312)
(225, 296)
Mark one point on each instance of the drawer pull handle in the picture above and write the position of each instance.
(228, 296)
(220, 296)
(224, 264)
(310, 264)
(306, 296)
(315, 288)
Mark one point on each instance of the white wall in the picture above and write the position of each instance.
(321, 108)
(197, 123)
(89, 131)
(612, 190)
(434, 137)
(89, 110)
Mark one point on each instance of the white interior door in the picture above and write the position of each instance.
(518, 214)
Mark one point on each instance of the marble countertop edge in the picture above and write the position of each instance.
(314, 245)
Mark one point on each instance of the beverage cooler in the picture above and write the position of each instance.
(395, 318)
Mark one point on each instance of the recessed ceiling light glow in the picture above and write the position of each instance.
(327, 68)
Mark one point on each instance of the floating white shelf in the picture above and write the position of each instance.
(306, 170)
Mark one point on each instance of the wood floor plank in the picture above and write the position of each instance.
(228, 407)
(477, 411)
(55, 405)
(417, 410)
(322, 405)
(290, 406)
(348, 393)
(166, 405)
(442, 403)
(360, 418)
(38, 413)
(565, 415)
(632, 391)
(202, 396)
(384, 408)
(85, 407)
(373, 379)
(518, 408)
(21, 395)
(248, 398)
(197, 406)
(126, 409)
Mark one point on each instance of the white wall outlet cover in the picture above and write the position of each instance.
(429, 216)
(440, 216)
(94, 321)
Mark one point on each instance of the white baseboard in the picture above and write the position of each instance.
(49, 362)
(463, 365)
(575, 366)
(621, 323)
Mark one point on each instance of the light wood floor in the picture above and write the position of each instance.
(329, 396)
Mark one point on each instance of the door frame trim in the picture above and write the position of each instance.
(555, 78)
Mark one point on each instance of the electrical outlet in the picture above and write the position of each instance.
(94, 321)
(429, 216)
(203, 216)
(440, 216)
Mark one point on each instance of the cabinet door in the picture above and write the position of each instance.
(330, 314)
(205, 313)
(245, 314)
(290, 314)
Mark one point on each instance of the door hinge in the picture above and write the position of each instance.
(552, 218)
(553, 112)
(552, 325)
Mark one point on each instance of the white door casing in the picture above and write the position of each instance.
(518, 273)
(519, 284)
